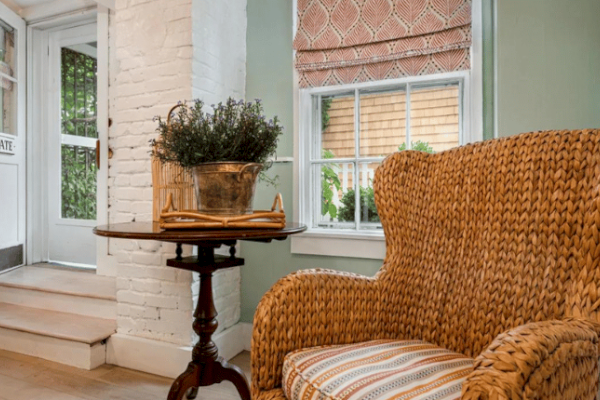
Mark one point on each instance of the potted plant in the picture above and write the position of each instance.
(225, 150)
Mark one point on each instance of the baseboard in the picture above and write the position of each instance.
(151, 356)
(167, 359)
(230, 341)
(246, 335)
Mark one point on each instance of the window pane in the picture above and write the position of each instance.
(78, 185)
(8, 108)
(78, 94)
(434, 116)
(382, 123)
(335, 182)
(369, 219)
(337, 127)
(7, 50)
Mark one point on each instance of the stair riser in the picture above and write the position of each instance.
(87, 306)
(76, 354)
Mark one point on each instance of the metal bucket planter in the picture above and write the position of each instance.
(225, 188)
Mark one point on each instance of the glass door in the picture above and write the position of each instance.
(12, 140)
(73, 139)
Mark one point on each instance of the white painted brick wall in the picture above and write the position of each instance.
(164, 51)
(219, 71)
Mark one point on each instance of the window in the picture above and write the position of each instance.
(361, 99)
(347, 131)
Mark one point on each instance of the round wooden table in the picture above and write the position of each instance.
(206, 367)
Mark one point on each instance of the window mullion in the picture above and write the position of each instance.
(356, 157)
(407, 114)
(461, 127)
(315, 173)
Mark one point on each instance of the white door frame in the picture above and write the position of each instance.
(37, 131)
(70, 240)
(20, 140)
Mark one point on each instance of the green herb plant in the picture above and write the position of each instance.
(234, 131)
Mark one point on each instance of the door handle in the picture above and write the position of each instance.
(98, 153)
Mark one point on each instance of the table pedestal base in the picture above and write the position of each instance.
(206, 367)
(206, 374)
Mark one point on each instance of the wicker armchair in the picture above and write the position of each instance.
(493, 251)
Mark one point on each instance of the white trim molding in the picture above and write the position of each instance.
(358, 246)
(167, 359)
(476, 81)
(105, 265)
(110, 4)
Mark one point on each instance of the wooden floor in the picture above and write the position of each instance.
(29, 378)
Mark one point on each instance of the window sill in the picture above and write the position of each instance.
(340, 244)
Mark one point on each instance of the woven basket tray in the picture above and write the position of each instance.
(274, 219)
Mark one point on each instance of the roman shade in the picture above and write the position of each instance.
(349, 41)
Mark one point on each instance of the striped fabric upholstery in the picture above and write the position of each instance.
(375, 370)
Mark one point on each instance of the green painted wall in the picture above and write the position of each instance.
(548, 72)
(269, 76)
(548, 65)
(487, 14)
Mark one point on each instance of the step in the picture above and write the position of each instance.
(60, 289)
(66, 338)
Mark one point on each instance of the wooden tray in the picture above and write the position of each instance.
(171, 219)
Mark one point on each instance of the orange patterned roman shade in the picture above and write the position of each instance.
(349, 41)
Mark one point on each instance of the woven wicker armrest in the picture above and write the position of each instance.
(310, 308)
(543, 360)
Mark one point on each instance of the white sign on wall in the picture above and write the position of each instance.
(7, 144)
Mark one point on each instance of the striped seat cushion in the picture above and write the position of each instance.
(375, 370)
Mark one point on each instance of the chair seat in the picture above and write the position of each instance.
(375, 370)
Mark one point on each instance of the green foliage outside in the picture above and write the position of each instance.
(325, 106)
(367, 203)
(330, 186)
(79, 183)
(417, 146)
(78, 118)
(330, 181)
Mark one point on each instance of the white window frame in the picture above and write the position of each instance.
(368, 244)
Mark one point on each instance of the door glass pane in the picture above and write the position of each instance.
(78, 128)
(78, 94)
(78, 184)
(7, 49)
(8, 85)
(434, 116)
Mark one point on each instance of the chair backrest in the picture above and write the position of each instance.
(489, 236)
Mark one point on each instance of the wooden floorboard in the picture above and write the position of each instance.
(23, 377)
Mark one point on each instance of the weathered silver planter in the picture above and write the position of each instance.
(225, 188)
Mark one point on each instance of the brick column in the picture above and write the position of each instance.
(162, 52)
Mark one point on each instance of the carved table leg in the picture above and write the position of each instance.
(206, 367)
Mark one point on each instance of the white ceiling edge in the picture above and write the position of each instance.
(54, 8)
(12, 5)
